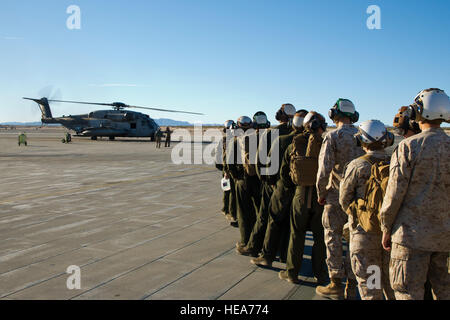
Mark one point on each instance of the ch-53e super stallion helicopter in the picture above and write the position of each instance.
(118, 122)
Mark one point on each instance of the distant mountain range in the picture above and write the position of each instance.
(161, 122)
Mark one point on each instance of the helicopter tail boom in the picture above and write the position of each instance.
(45, 109)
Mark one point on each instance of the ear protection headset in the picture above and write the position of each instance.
(336, 111)
(313, 121)
(404, 120)
(281, 114)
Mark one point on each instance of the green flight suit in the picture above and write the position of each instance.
(257, 236)
(229, 197)
(280, 204)
(248, 195)
(306, 214)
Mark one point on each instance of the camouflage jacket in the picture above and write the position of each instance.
(338, 149)
(416, 207)
(356, 174)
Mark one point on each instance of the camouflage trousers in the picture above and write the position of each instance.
(306, 215)
(333, 221)
(367, 253)
(408, 272)
(256, 240)
(248, 197)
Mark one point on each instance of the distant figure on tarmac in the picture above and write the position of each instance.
(67, 138)
(22, 138)
(158, 136)
(168, 134)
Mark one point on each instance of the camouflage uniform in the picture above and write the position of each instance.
(416, 213)
(248, 192)
(365, 248)
(338, 149)
(306, 214)
(267, 188)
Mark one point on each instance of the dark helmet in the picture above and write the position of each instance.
(244, 122)
(229, 124)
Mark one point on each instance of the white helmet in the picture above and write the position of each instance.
(298, 121)
(289, 110)
(432, 104)
(314, 121)
(299, 118)
(371, 131)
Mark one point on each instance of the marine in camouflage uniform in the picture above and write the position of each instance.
(415, 215)
(338, 149)
(365, 248)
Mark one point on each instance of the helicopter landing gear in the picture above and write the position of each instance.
(152, 138)
(112, 138)
(94, 138)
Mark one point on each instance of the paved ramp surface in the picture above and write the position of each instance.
(138, 226)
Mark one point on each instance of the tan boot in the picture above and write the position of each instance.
(350, 289)
(246, 251)
(333, 290)
(261, 261)
(283, 275)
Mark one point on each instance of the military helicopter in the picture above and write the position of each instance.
(118, 122)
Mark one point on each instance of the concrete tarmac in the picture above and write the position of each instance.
(137, 225)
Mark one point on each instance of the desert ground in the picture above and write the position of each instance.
(137, 225)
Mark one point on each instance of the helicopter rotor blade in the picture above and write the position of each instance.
(166, 110)
(80, 102)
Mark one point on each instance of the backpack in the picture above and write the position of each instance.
(304, 156)
(368, 208)
(249, 168)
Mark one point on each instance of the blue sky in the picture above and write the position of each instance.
(222, 58)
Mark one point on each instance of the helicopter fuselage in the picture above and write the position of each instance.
(108, 123)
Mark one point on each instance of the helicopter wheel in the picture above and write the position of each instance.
(94, 138)
(112, 138)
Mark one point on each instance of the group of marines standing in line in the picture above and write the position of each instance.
(326, 181)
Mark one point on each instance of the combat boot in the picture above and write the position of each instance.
(261, 261)
(246, 251)
(350, 289)
(283, 275)
(333, 290)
